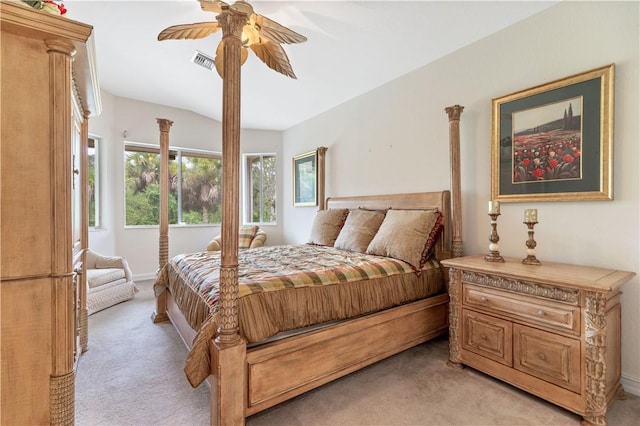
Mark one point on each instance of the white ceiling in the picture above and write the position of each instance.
(352, 47)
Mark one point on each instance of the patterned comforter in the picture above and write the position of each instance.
(283, 288)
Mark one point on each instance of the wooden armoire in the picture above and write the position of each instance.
(48, 91)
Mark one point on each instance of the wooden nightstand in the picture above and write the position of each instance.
(551, 330)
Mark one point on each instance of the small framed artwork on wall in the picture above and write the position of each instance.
(305, 178)
(554, 142)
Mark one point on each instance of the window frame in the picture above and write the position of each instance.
(95, 143)
(247, 196)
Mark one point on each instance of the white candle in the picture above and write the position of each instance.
(531, 215)
(494, 207)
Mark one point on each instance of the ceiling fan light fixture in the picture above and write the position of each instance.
(203, 60)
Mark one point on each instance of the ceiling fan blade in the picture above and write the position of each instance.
(274, 56)
(189, 31)
(272, 30)
(219, 59)
(212, 5)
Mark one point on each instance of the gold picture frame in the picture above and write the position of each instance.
(305, 179)
(554, 142)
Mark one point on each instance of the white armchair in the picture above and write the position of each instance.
(109, 281)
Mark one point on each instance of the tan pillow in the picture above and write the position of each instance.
(407, 235)
(326, 226)
(358, 230)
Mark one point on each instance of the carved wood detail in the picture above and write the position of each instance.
(454, 113)
(62, 399)
(523, 287)
(228, 313)
(455, 290)
(595, 336)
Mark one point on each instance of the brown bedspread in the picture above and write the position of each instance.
(284, 288)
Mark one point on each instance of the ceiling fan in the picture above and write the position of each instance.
(260, 34)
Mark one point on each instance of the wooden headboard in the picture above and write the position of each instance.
(440, 200)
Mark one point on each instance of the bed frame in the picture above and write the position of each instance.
(245, 381)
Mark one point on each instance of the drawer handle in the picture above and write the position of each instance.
(542, 357)
(541, 313)
(484, 298)
(483, 336)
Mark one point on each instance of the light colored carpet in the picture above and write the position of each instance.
(132, 375)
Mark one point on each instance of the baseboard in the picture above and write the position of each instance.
(144, 277)
(630, 384)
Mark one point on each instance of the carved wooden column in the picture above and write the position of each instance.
(62, 384)
(229, 350)
(160, 313)
(455, 291)
(595, 365)
(456, 199)
(322, 153)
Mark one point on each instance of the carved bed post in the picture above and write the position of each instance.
(163, 253)
(228, 352)
(322, 153)
(455, 276)
(454, 148)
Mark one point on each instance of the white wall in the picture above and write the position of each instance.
(189, 130)
(395, 139)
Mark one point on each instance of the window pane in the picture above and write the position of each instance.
(260, 188)
(142, 187)
(268, 189)
(201, 195)
(93, 183)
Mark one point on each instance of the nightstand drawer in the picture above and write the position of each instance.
(487, 336)
(520, 307)
(547, 356)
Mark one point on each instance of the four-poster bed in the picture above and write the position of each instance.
(248, 378)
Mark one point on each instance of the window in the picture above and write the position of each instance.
(260, 188)
(195, 186)
(93, 182)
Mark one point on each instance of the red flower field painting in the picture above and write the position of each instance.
(547, 142)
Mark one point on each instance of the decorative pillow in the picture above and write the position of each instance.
(246, 235)
(358, 230)
(407, 235)
(326, 226)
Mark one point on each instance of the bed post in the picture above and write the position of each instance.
(322, 153)
(454, 148)
(160, 313)
(228, 352)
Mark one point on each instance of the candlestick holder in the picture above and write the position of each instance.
(531, 247)
(494, 253)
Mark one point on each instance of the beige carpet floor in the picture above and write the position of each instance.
(132, 375)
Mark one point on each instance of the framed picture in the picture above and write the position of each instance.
(305, 178)
(554, 142)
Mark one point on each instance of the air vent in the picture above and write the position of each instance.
(203, 60)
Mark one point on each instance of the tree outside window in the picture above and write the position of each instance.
(195, 186)
(260, 188)
(93, 182)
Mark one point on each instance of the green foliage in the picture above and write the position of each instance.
(263, 188)
(201, 192)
